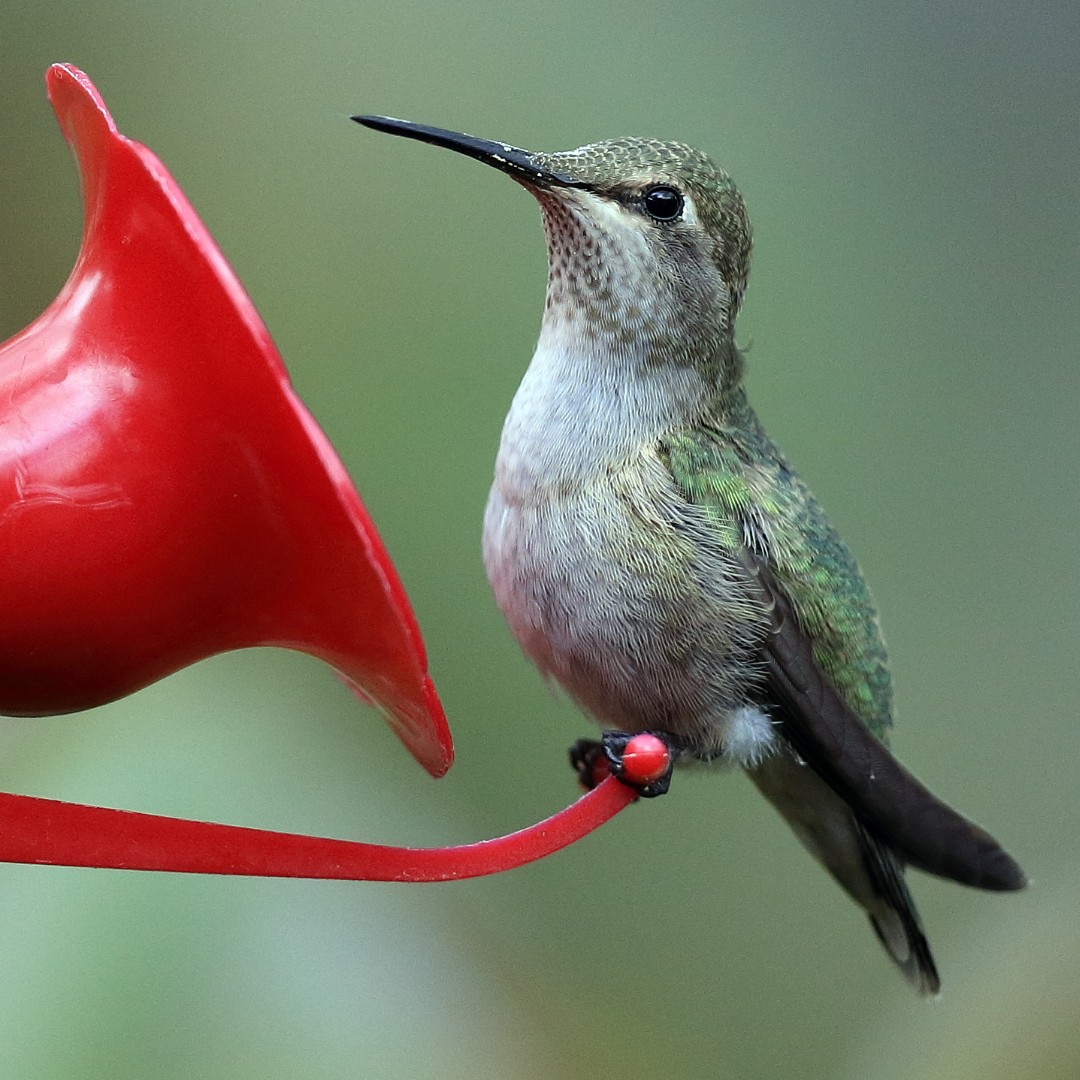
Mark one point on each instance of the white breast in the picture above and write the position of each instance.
(612, 584)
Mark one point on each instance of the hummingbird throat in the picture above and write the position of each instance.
(628, 299)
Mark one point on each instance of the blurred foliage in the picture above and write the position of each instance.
(913, 175)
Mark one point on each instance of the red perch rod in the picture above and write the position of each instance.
(49, 832)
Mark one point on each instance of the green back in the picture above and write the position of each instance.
(732, 469)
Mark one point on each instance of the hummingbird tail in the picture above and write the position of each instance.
(895, 918)
(821, 727)
(866, 867)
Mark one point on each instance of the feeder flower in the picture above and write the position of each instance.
(164, 494)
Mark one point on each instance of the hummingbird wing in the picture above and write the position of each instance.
(826, 680)
(888, 800)
(825, 683)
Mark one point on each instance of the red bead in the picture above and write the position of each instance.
(645, 759)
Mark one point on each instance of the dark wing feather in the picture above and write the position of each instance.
(898, 809)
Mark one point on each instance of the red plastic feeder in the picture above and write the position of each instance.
(165, 496)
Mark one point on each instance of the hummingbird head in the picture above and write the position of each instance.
(674, 215)
(648, 242)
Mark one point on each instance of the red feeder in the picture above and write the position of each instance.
(165, 496)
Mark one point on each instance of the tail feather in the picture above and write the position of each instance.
(896, 919)
(867, 868)
(820, 725)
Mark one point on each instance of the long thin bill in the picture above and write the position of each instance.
(518, 163)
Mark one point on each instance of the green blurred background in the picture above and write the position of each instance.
(913, 174)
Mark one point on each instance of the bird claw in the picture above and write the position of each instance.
(587, 759)
(641, 760)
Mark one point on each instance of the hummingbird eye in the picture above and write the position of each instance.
(663, 203)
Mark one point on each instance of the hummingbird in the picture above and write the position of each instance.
(657, 556)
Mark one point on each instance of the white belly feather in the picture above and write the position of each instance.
(621, 592)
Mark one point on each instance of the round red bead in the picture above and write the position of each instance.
(645, 759)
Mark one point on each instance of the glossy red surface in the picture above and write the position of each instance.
(164, 494)
(68, 834)
(645, 759)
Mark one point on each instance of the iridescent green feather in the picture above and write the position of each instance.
(730, 467)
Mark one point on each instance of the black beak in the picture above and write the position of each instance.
(518, 163)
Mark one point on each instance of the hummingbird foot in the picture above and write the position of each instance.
(642, 760)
